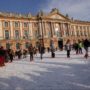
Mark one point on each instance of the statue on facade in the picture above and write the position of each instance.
(55, 10)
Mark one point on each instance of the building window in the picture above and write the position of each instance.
(76, 27)
(6, 24)
(72, 33)
(57, 32)
(80, 27)
(27, 45)
(35, 24)
(6, 34)
(81, 33)
(77, 33)
(49, 33)
(7, 45)
(36, 34)
(87, 27)
(26, 34)
(17, 34)
(16, 24)
(18, 45)
(25, 24)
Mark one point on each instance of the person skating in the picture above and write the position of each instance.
(24, 53)
(41, 50)
(80, 47)
(2, 56)
(86, 45)
(31, 52)
(11, 54)
(52, 49)
(68, 48)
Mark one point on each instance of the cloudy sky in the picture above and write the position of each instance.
(78, 9)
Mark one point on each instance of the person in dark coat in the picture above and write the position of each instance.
(86, 45)
(11, 54)
(31, 52)
(76, 47)
(52, 49)
(19, 54)
(41, 51)
(48, 49)
(24, 53)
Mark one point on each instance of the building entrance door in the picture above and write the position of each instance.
(60, 44)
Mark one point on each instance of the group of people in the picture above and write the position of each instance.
(78, 46)
(9, 54)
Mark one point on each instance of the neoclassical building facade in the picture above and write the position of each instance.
(18, 31)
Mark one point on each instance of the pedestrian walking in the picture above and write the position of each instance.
(68, 48)
(52, 49)
(41, 51)
(11, 54)
(19, 53)
(80, 45)
(24, 53)
(76, 47)
(31, 52)
(86, 45)
(2, 56)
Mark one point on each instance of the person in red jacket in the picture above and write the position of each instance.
(2, 56)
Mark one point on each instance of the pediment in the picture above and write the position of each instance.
(57, 16)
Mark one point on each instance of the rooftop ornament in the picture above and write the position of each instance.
(55, 10)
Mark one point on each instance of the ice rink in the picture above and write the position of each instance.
(59, 73)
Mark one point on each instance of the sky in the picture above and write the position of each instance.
(78, 9)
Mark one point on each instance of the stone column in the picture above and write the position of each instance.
(11, 30)
(30, 29)
(61, 29)
(68, 29)
(52, 30)
(89, 31)
(83, 31)
(1, 31)
(40, 28)
(21, 31)
(75, 32)
(45, 28)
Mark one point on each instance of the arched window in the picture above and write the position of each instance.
(57, 32)
(26, 44)
(49, 33)
(25, 24)
(36, 34)
(6, 34)
(7, 45)
(16, 24)
(26, 34)
(17, 34)
(18, 45)
(6, 24)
